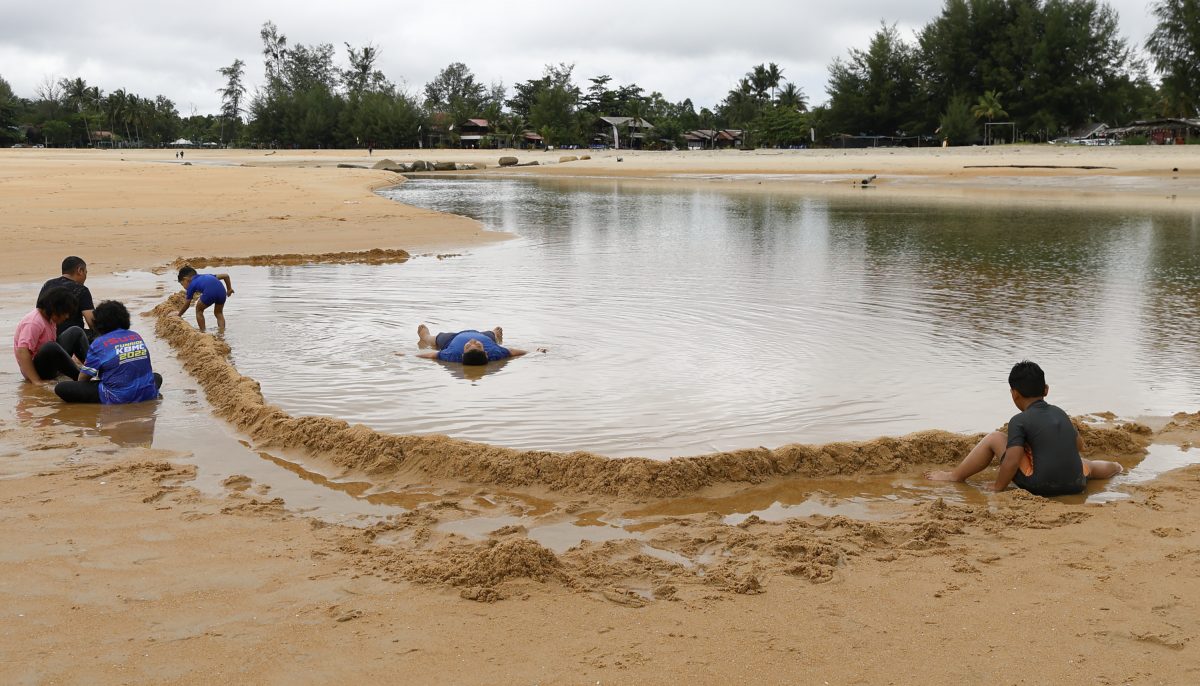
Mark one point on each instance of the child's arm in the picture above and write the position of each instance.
(25, 364)
(228, 283)
(428, 356)
(1008, 467)
(187, 302)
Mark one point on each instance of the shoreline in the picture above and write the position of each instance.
(244, 202)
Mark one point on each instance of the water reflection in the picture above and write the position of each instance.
(690, 320)
(129, 426)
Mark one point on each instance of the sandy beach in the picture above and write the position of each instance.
(254, 546)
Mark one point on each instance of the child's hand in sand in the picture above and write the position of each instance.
(940, 476)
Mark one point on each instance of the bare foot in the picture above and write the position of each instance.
(499, 334)
(422, 335)
(940, 476)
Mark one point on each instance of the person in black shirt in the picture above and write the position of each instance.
(1040, 451)
(74, 274)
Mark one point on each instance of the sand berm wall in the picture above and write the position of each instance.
(239, 400)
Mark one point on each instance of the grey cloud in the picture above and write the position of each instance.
(696, 49)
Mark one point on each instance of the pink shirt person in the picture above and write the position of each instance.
(33, 331)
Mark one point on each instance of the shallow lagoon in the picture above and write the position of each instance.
(692, 319)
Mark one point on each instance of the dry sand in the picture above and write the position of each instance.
(117, 567)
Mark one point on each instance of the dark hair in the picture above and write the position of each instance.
(110, 315)
(57, 300)
(1028, 379)
(185, 272)
(475, 357)
(72, 264)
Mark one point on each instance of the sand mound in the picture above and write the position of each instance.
(374, 256)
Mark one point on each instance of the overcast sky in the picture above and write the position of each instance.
(696, 49)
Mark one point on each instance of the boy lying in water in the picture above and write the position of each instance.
(469, 347)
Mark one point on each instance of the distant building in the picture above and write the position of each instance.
(473, 133)
(1160, 131)
(530, 139)
(620, 132)
(712, 139)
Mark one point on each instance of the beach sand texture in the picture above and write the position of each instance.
(117, 567)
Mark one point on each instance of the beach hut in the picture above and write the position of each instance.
(473, 132)
(530, 139)
(181, 143)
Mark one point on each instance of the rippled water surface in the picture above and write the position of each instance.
(689, 320)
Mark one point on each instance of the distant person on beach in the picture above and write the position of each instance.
(117, 369)
(468, 347)
(74, 274)
(1040, 452)
(212, 293)
(36, 344)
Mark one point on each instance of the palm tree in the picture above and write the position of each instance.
(988, 106)
(774, 76)
(792, 97)
(741, 103)
(79, 94)
(760, 81)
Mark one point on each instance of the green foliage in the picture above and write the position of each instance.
(988, 107)
(552, 113)
(957, 123)
(1059, 64)
(875, 91)
(8, 114)
(455, 93)
(780, 127)
(1175, 48)
(56, 132)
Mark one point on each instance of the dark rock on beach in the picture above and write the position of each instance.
(508, 161)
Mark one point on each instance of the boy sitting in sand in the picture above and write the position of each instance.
(1040, 452)
(118, 367)
(211, 293)
(469, 347)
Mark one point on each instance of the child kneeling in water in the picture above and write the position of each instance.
(117, 369)
(1040, 452)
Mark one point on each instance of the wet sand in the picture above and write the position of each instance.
(171, 563)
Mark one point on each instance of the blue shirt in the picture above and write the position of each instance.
(454, 351)
(121, 361)
(210, 287)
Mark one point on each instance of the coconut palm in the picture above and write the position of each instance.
(80, 95)
(774, 76)
(988, 106)
(793, 97)
(760, 81)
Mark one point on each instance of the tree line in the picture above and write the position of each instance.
(1046, 65)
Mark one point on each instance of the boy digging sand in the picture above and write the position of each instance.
(1040, 452)
(211, 293)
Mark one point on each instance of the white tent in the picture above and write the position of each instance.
(181, 143)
